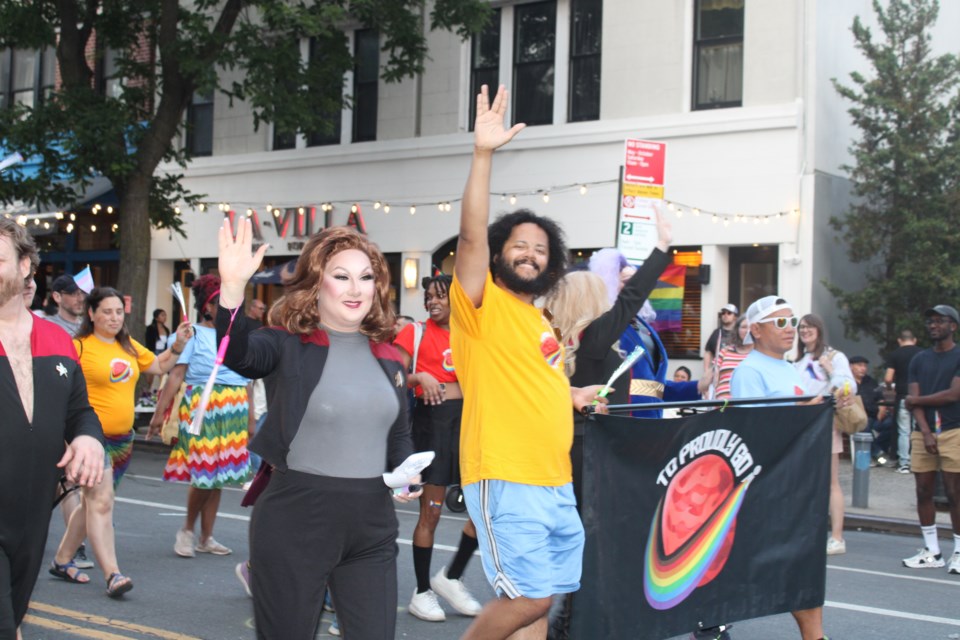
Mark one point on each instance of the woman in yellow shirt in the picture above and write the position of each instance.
(112, 363)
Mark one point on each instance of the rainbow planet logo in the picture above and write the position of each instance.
(120, 370)
(447, 363)
(550, 348)
(692, 531)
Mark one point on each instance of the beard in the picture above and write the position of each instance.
(507, 274)
(9, 289)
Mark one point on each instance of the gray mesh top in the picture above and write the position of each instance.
(349, 414)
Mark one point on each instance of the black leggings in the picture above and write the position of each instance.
(309, 530)
(23, 537)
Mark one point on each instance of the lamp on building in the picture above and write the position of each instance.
(410, 273)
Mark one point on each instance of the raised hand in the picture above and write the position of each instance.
(489, 132)
(236, 261)
(664, 229)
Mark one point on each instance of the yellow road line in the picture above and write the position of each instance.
(109, 622)
(57, 625)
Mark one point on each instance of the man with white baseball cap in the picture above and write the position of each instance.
(772, 329)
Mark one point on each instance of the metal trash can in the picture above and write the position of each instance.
(861, 443)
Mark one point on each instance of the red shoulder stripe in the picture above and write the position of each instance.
(49, 339)
(385, 351)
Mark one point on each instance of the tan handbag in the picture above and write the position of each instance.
(851, 418)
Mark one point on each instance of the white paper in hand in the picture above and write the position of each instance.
(403, 475)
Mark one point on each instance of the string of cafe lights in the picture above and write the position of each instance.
(679, 209)
(717, 217)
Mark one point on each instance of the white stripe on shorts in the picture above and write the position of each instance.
(501, 581)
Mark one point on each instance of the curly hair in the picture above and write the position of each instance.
(92, 303)
(442, 282)
(500, 229)
(574, 304)
(298, 312)
(203, 288)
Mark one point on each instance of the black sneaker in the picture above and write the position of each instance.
(80, 560)
(712, 633)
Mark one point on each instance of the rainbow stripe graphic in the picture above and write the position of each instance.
(667, 299)
(668, 581)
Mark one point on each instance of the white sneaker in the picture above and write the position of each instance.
(456, 593)
(214, 547)
(836, 547)
(925, 559)
(425, 606)
(183, 547)
(954, 563)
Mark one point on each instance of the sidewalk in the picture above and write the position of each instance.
(892, 503)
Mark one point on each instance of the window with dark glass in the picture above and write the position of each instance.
(586, 23)
(26, 76)
(366, 77)
(718, 54)
(48, 72)
(5, 56)
(484, 61)
(200, 124)
(534, 44)
(334, 90)
(108, 74)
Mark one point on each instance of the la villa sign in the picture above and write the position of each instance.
(296, 224)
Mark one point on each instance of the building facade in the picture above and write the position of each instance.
(739, 90)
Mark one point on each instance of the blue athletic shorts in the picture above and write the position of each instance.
(531, 538)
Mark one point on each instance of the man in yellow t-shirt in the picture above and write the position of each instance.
(517, 427)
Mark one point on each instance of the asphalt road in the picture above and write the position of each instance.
(869, 595)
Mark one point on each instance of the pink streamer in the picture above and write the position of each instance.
(201, 411)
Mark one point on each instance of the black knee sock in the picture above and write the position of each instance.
(467, 546)
(421, 566)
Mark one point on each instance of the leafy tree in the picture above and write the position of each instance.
(904, 224)
(79, 128)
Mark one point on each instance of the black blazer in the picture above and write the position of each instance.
(291, 365)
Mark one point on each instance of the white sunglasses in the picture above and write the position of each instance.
(781, 322)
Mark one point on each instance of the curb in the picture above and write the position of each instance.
(880, 524)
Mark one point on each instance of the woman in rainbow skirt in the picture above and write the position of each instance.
(218, 456)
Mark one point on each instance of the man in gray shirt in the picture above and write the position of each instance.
(69, 298)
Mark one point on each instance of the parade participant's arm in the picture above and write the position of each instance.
(168, 359)
(605, 330)
(585, 396)
(165, 398)
(929, 438)
(888, 377)
(938, 399)
(83, 461)
(473, 251)
(432, 391)
(83, 458)
(837, 367)
(253, 357)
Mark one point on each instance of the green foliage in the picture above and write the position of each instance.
(80, 131)
(903, 226)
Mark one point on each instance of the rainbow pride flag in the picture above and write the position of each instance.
(667, 299)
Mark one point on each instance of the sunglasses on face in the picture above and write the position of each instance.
(781, 322)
